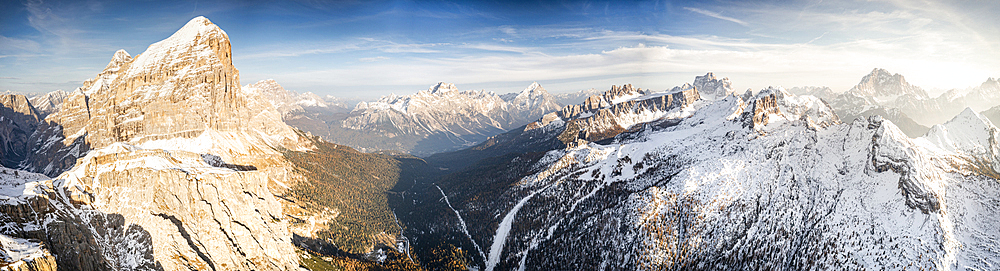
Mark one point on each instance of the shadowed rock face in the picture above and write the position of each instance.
(18, 119)
(596, 102)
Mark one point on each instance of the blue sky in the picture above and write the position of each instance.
(371, 48)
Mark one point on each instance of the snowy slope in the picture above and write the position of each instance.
(765, 181)
(17, 249)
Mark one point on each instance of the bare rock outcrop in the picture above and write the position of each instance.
(614, 112)
(197, 215)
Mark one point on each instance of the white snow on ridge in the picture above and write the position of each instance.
(13, 249)
(181, 42)
(969, 132)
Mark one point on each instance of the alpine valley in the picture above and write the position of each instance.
(164, 161)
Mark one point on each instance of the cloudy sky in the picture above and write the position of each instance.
(367, 49)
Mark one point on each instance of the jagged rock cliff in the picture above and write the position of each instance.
(614, 112)
(198, 214)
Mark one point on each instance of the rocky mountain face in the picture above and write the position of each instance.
(881, 91)
(712, 88)
(179, 88)
(18, 120)
(441, 118)
(160, 162)
(756, 181)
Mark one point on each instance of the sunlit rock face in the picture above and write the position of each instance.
(193, 213)
(180, 87)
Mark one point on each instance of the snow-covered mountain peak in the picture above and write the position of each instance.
(533, 91)
(186, 42)
(531, 87)
(198, 26)
(120, 58)
(712, 88)
(991, 83)
(884, 86)
(287, 101)
(967, 132)
(267, 87)
(442, 87)
(446, 115)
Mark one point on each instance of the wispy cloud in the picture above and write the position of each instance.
(343, 46)
(46, 20)
(716, 15)
(817, 38)
(372, 59)
(8, 44)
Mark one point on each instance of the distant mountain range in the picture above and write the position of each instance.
(441, 118)
(908, 106)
